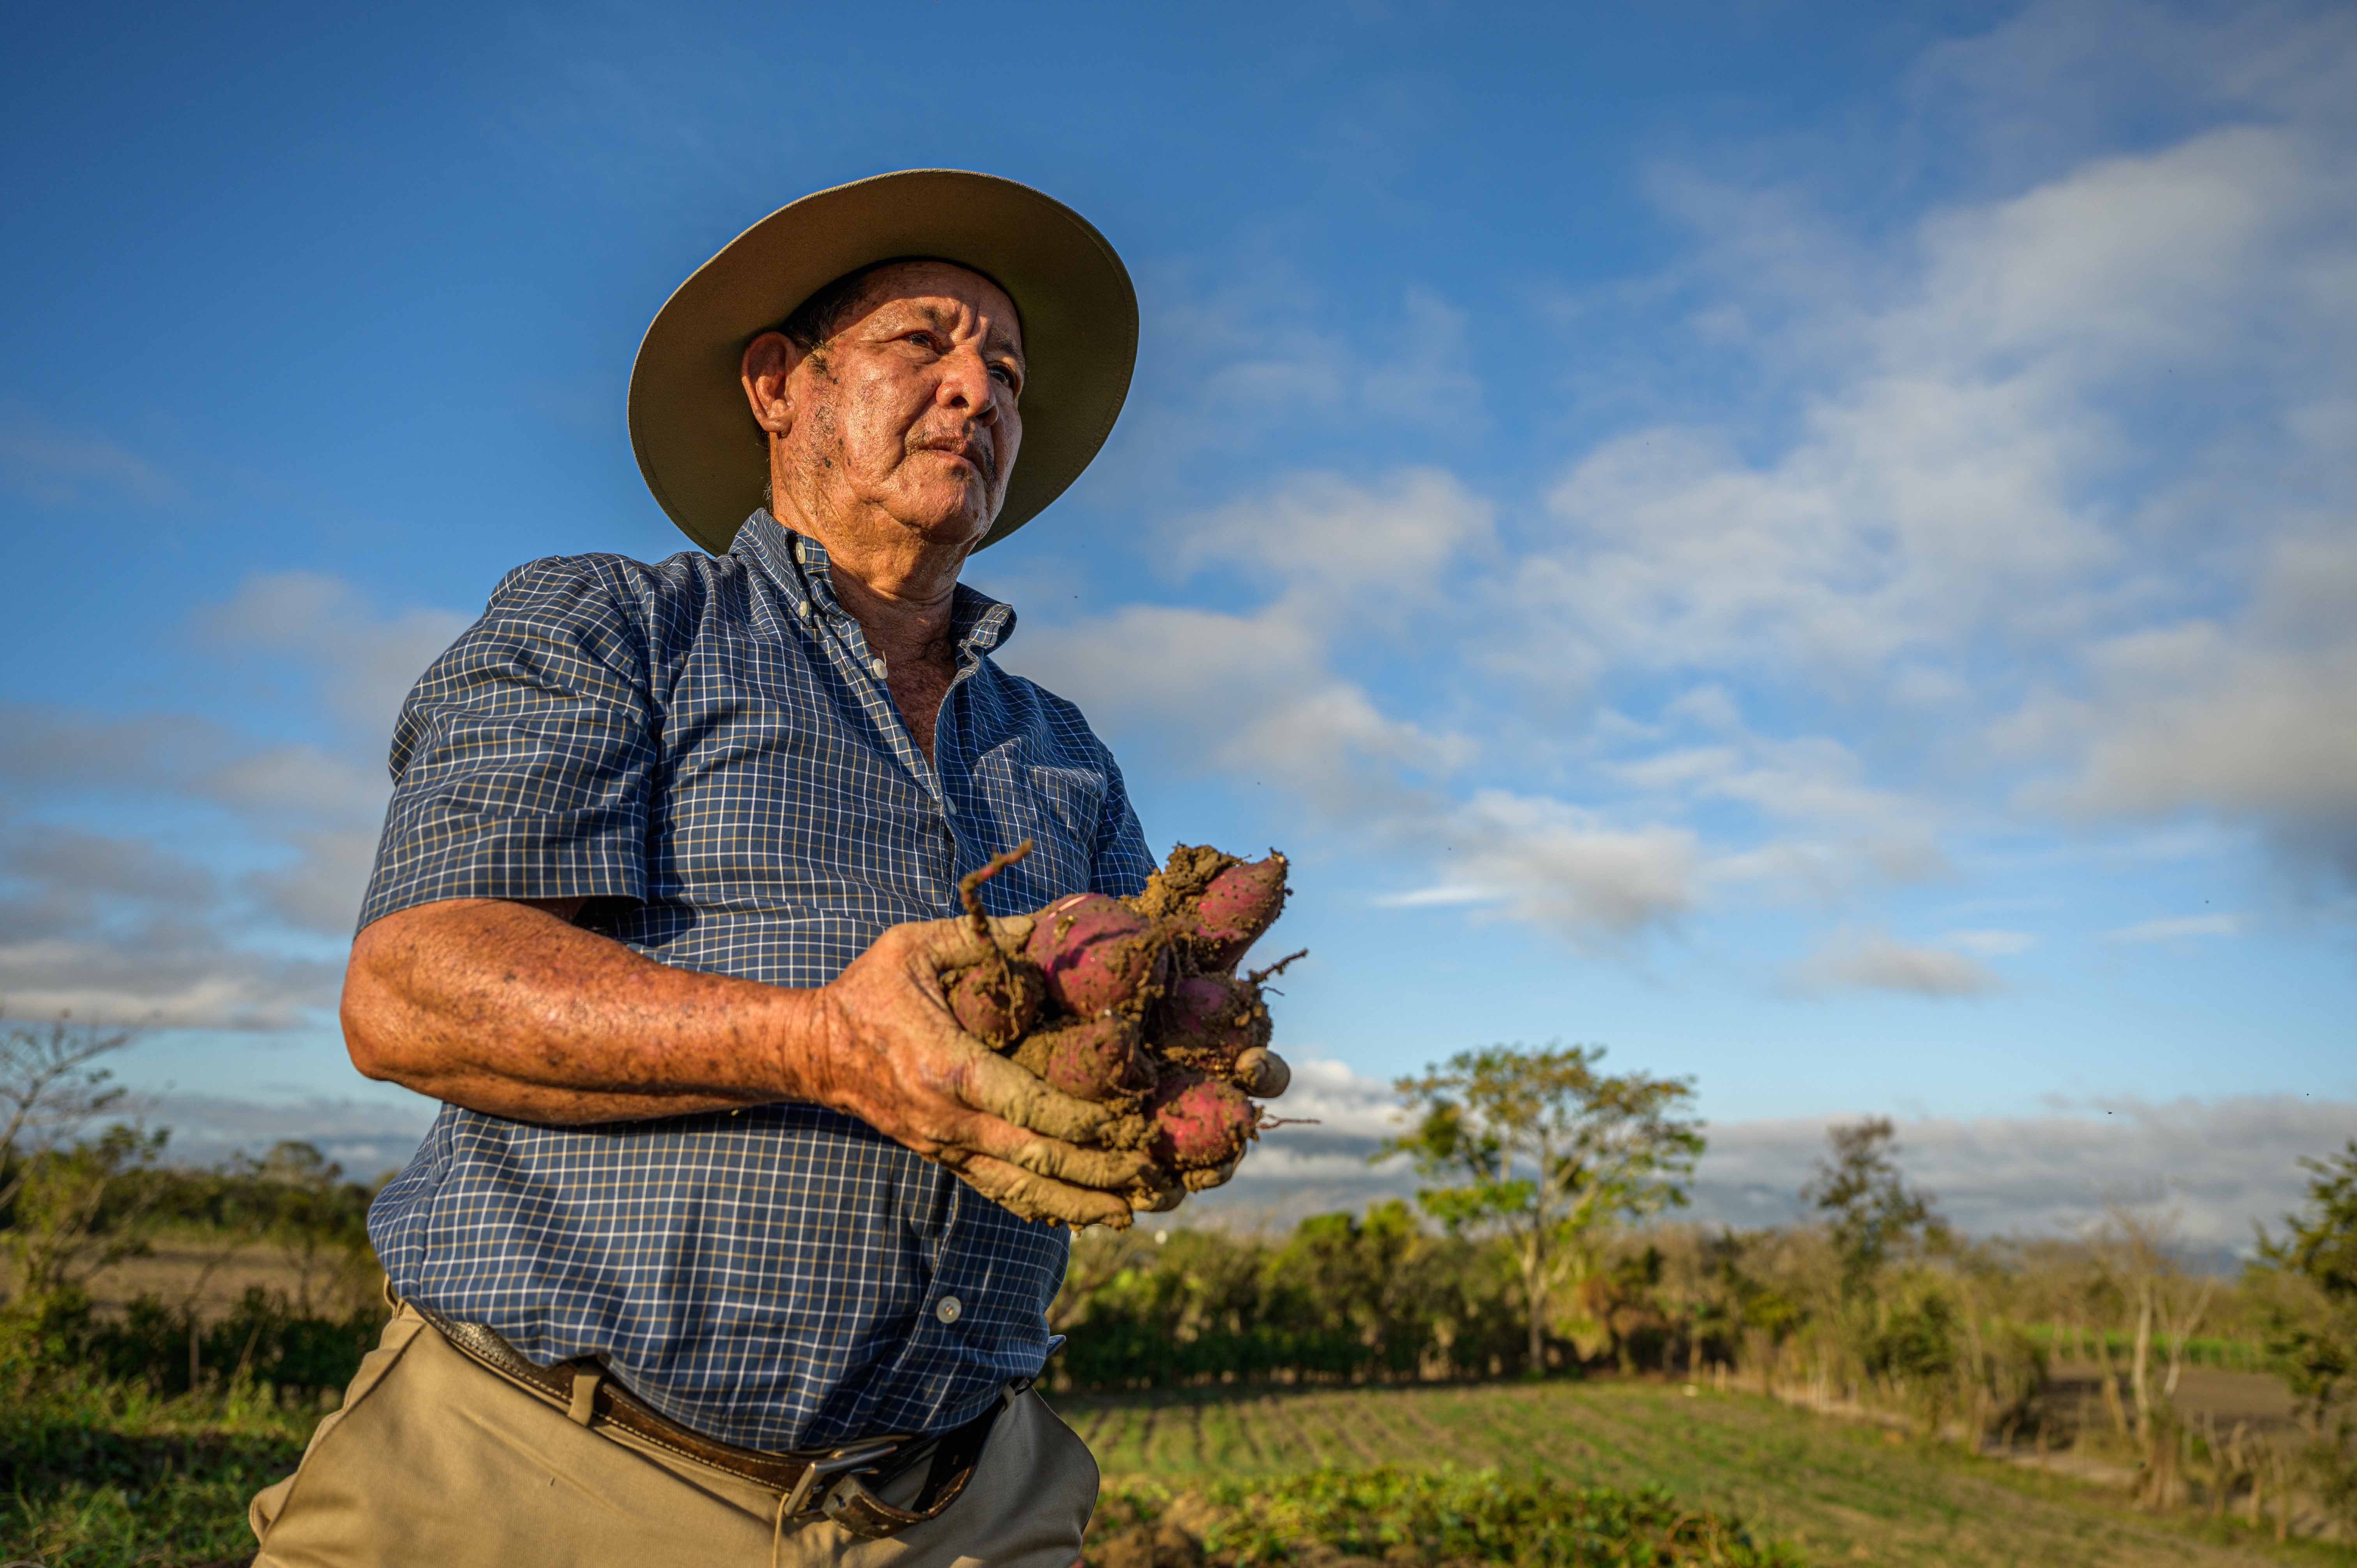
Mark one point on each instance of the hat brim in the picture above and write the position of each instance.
(700, 453)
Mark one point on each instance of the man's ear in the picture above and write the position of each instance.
(768, 363)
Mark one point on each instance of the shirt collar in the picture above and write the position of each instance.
(799, 564)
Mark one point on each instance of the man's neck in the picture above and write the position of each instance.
(907, 617)
(900, 589)
(905, 622)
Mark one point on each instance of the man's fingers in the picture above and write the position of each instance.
(1038, 1198)
(952, 944)
(1215, 1175)
(1157, 1200)
(1001, 1089)
(1106, 1169)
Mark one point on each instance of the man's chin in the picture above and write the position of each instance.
(952, 523)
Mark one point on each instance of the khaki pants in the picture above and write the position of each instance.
(435, 1463)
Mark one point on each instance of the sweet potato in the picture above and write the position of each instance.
(998, 1002)
(1207, 1021)
(1176, 888)
(1240, 903)
(1195, 1123)
(1099, 955)
(1090, 1059)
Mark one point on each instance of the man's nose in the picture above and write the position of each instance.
(966, 384)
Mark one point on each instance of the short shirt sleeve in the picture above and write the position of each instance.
(522, 760)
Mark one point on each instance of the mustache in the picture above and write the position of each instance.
(975, 446)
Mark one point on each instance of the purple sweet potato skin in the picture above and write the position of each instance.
(1096, 953)
(997, 1003)
(1205, 1021)
(1240, 903)
(1095, 1059)
(1099, 1059)
(1197, 1123)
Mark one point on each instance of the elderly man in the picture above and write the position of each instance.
(728, 1245)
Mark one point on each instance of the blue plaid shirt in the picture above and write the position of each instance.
(706, 748)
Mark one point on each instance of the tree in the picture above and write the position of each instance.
(1539, 1146)
(2310, 1275)
(319, 1219)
(2139, 1251)
(82, 1208)
(50, 1088)
(1868, 1208)
(70, 1207)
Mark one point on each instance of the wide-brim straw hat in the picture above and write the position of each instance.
(706, 460)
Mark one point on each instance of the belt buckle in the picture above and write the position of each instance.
(842, 1461)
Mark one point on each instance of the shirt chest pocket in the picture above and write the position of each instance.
(1058, 805)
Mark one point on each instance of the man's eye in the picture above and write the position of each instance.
(1006, 377)
(924, 337)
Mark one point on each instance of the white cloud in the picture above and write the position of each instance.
(242, 931)
(1874, 961)
(1556, 864)
(2221, 1166)
(2224, 1166)
(1991, 944)
(1250, 695)
(1333, 544)
(366, 661)
(1958, 411)
(53, 465)
(2175, 928)
(2252, 718)
(1447, 894)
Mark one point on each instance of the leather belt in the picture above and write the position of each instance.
(833, 1482)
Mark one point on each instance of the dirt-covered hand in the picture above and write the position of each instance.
(891, 1054)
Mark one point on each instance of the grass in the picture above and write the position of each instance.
(1837, 1493)
(109, 1478)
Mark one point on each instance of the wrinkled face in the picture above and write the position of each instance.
(906, 415)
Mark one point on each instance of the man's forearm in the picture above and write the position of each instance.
(506, 1008)
(510, 1009)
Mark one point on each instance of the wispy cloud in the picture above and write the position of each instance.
(1448, 895)
(233, 917)
(1876, 962)
(2175, 928)
(1991, 944)
(2222, 1165)
(53, 465)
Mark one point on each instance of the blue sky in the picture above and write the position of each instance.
(1809, 545)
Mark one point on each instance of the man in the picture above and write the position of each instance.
(728, 1244)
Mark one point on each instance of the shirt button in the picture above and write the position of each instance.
(877, 669)
(949, 1309)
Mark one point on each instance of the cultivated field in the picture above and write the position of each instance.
(1842, 1493)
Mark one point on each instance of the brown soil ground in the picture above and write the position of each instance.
(177, 1267)
(2075, 1398)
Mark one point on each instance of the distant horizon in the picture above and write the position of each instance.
(2219, 1169)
